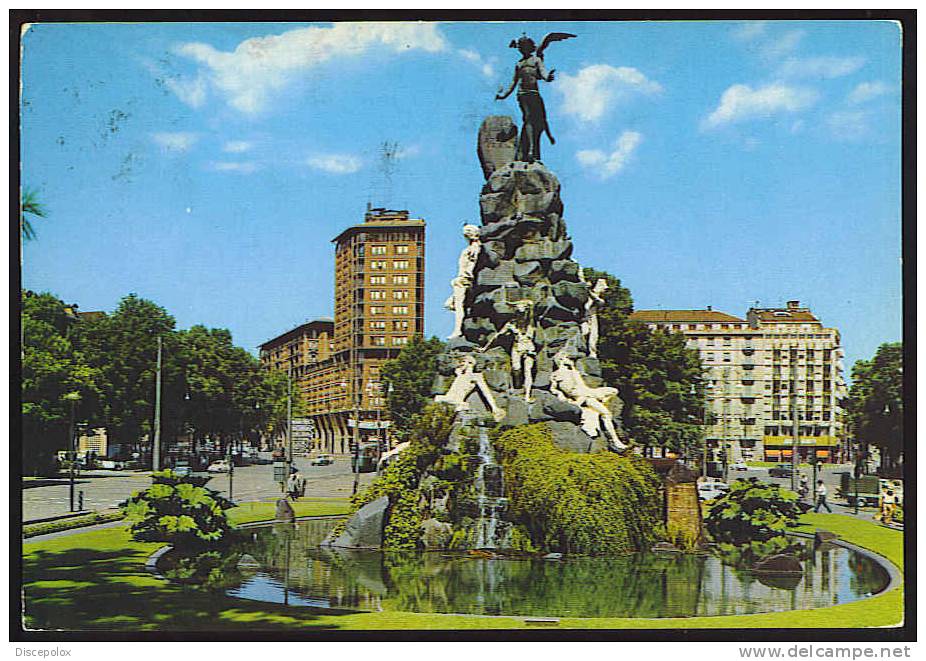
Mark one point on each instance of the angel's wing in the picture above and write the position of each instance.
(550, 38)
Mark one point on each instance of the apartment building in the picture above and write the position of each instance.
(776, 367)
(378, 307)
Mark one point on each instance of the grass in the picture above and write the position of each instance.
(96, 580)
(265, 510)
(804, 466)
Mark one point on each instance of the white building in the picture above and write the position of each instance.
(758, 370)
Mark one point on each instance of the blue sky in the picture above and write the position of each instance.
(207, 166)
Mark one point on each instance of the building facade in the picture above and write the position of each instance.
(378, 308)
(771, 377)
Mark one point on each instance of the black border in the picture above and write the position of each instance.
(907, 20)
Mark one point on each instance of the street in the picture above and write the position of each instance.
(829, 473)
(103, 489)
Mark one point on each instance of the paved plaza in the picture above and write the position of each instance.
(44, 498)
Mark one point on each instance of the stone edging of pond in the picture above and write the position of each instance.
(895, 576)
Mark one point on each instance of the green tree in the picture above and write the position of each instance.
(876, 402)
(658, 376)
(52, 368)
(29, 206)
(123, 347)
(408, 379)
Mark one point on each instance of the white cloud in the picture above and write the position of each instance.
(596, 88)
(335, 163)
(247, 76)
(191, 92)
(472, 56)
(408, 152)
(609, 164)
(820, 67)
(867, 91)
(237, 146)
(849, 124)
(245, 167)
(175, 142)
(741, 102)
(749, 31)
(783, 45)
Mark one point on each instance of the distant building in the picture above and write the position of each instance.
(762, 370)
(378, 308)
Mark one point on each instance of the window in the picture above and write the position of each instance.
(377, 279)
(377, 325)
(710, 341)
(400, 294)
(400, 264)
(400, 279)
(377, 309)
(709, 357)
(399, 341)
(726, 356)
(378, 250)
(401, 250)
(692, 326)
(401, 325)
(399, 309)
(377, 295)
(377, 264)
(378, 341)
(676, 327)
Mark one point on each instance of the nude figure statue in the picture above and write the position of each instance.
(566, 382)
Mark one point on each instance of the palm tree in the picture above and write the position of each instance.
(29, 205)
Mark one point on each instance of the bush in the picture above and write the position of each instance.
(577, 503)
(35, 529)
(179, 511)
(750, 521)
(401, 479)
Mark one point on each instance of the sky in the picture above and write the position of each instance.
(207, 166)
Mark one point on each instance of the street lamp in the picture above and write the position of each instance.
(73, 398)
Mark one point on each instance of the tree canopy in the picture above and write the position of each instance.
(876, 401)
(408, 379)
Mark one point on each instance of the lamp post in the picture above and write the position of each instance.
(156, 445)
(73, 398)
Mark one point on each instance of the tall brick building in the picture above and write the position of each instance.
(378, 307)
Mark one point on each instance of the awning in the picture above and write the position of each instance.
(772, 454)
(823, 453)
(787, 453)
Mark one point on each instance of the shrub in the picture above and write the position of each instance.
(180, 511)
(750, 521)
(577, 503)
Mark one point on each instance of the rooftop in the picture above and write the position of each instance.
(688, 316)
(322, 324)
(380, 218)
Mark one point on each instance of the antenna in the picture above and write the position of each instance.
(388, 163)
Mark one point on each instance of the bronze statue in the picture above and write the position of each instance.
(527, 72)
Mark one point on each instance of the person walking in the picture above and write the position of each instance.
(292, 486)
(888, 504)
(821, 498)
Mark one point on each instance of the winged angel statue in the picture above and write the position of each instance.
(527, 72)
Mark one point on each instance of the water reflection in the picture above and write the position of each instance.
(293, 569)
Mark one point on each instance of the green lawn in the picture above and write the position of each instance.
(97, 580)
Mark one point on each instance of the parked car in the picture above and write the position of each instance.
(739, 466)
(220, 466)
(711, 489)
(182, 469)
(781, 470)
(110, 465)
(323, 460)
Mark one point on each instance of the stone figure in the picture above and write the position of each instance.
(529, 69)
(590, 322)
(523, 350)
(466, 381)
(464, 279)
(566, 382)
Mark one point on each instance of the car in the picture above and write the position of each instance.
(711, 488)
(182, 469)
(220, 466)
(739, 466)
(323, 460)
(781, 470)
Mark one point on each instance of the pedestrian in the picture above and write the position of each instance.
(821, 498)
(888, 503)
(292, 486)
(300, 480)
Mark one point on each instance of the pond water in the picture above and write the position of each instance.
(284, 564)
